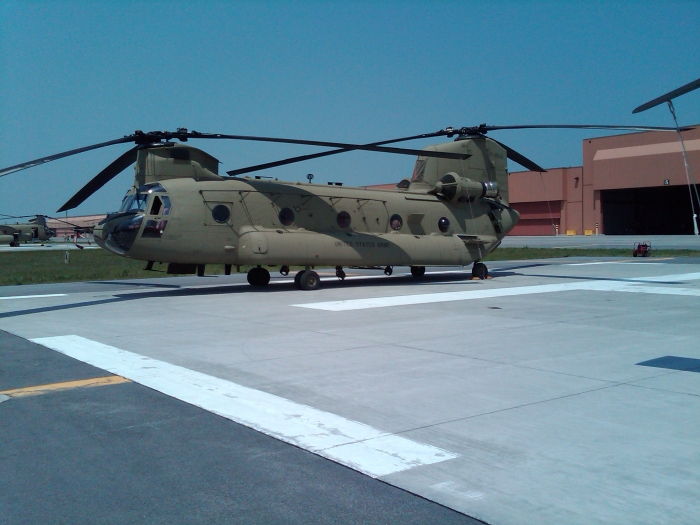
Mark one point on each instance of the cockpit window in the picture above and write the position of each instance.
(133, 202)
(151, 188)
(161, 205)
(166, 205)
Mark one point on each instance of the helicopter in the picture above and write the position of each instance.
(34, 230)
(453, 210)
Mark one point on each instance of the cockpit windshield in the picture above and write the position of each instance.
(134, 202)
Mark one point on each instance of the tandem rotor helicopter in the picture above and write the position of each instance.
(34, 230)
(454, 210)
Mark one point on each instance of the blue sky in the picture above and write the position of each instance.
(77, 73)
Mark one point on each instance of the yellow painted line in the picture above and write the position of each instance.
(82, 383)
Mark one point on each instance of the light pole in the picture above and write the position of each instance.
(668, 97)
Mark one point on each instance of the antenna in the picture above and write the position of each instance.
(310, 176)
(668, 97)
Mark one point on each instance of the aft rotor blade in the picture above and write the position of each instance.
(44, 160)
(65, 222)
(520, 158)
(301, 158)
(343, 145)
(695, 84)
(483, 128)
(115, 168)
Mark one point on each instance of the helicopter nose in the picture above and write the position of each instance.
(118, 233)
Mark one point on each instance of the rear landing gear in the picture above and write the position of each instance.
(258, 276)
(417, 271)
(480, 271)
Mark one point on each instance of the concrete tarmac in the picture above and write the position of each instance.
(665, 242)
(559, 391)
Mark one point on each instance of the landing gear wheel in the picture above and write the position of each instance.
(297, 279)
(417, 271)
(339, 273)
(310, 280)
(284, 270)
(480, 271)
(388, 270)
(258, 276)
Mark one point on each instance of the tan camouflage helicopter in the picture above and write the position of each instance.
(454, 210)
(35, 230)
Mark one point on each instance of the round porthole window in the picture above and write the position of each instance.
(444, 224)
(343, 219)
(396, 222)
(286, 216)
(221, 213)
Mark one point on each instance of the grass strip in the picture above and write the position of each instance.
(39, 267)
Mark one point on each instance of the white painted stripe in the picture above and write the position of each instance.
(593, 263)
(624, 285)
(355, 445)
(34, 296)
(403, 300)
(615, 262)
(648, 149)
(667, 278)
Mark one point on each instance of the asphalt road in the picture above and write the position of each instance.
(124, 454)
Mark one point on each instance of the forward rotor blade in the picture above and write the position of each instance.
(695, 84)
(342, 145)
(44, 160)
(301, 158)
(115, 168)
(520, 159)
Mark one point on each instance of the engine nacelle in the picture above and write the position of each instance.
(459, 189)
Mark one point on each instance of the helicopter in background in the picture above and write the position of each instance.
(34, 230)
(454, 210)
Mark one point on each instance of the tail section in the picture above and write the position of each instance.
(487, 164)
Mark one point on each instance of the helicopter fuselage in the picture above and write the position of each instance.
(246, 221)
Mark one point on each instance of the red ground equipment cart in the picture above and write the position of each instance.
(643, 249)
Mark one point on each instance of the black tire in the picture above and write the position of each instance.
(258, 276)
(388, 270)
(310, 281)
(340, 274)
(297, 279)
(417, 271)
(480, 271)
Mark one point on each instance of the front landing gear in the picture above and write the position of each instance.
(307, 280)
(258, 276)
(480, 271)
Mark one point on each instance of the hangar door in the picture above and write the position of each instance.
(663, 210)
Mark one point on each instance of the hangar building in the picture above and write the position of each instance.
(628, 185)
